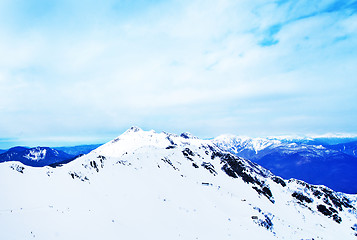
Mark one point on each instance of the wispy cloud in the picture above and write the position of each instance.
(74, 68)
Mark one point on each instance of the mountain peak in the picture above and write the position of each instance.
(188, 135)
(179, 180)
(134, 129)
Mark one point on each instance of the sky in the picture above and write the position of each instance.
(80, 72)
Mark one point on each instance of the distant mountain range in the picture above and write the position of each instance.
(169, 187)
(78, 150)
(36, 157)
(313, 160)
(349, 148)
(45, 156)
(329, 161)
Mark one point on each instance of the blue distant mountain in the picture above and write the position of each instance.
(349, 148)
(36, 157)
(45, 156)
(78, 150)
(316, 161)
(334, 169)
(312, 160)
(164, 179)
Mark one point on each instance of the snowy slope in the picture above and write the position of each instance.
(300, 158)
(147, 185)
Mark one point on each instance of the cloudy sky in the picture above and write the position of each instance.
(74, 72)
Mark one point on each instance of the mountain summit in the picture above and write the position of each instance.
(152, 185)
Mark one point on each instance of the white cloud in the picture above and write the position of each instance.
(75, 72)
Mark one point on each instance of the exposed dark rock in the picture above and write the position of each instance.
(264, 191)
(134, 129)
(101, 159)
(337, 218)
(170, 140)
(18, 168)
(337, 201)
(326, 201)
(317, 193)
(195, 165)
(301, 197)
(266, 222)
(187, 135)
(323, 209)
(76, 175)
(229, 171)
(168, 161)
(329, 212)
(333, 210)
(209, 167)
(279, 180)
(354, 227)
(94, 165)
(267, 192)
(188, 152)
(234, 167)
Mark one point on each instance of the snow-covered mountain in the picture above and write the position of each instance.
(302, 158)
(36, 157)
(147, 185)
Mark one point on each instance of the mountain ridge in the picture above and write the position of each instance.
(173, 188)
(331, 165)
